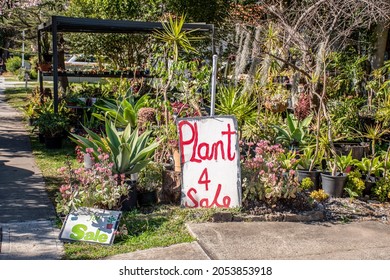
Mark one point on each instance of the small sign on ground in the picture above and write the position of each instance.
(91, 225)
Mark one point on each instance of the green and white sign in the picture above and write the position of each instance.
(91, 225)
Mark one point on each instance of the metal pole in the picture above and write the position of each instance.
(55, 65)
(40, 75)
(213, 85)
(23, 49)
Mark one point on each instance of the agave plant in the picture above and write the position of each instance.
(129, 151)
(294, 133)
(121, 113)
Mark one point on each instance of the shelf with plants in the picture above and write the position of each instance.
(100, 74)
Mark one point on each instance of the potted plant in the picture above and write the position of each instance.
(45, 61)
(31, 113)
(295, 133)
(129, 150)
(277, 100)
(370, 169)
(333, 182)
(52, 126)
(95, 187)
(149, 182)
(307, 167)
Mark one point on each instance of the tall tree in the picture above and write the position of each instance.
(18, 15)
(123, 50)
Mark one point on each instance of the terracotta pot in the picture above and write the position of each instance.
(45, 67)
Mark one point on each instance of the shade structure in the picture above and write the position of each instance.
(91, 25)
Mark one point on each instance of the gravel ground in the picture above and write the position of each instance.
(336, 209)
(346, 210)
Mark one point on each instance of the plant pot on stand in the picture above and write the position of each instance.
(333, 185)
(45, 67)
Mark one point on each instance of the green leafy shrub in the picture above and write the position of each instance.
(33, 74)
(13, 64)
(355, 185)
(319, 195)
(382, 189)
(150, 177)
(307, 184)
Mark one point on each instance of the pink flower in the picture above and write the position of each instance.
(62, 170)
(89, 150)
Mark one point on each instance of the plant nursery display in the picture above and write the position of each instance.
(295, 109)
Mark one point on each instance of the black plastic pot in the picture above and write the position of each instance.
(47, 57)
(41, 138)
(314, 175)
(358, 150)
(129, 202)
(53, 142)
(369, 182)
(333, 185)
(31, 121)
(147, 198)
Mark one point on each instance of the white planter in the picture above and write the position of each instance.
(88, 163)
(134, 177)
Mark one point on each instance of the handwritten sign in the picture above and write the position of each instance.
(210, 162)
(91, 225)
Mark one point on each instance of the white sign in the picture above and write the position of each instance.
(210, 160)
(91, 225)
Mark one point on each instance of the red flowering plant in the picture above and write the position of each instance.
(96, 187)
(264, 173)
(303, 107)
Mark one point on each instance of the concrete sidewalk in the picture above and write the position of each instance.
(26, 213)
(277, 241)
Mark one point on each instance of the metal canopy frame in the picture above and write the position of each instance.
(90, 25)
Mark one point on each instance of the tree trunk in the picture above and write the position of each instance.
(381, 32)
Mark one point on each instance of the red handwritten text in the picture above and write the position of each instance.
(204, 202)
(206, 151)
